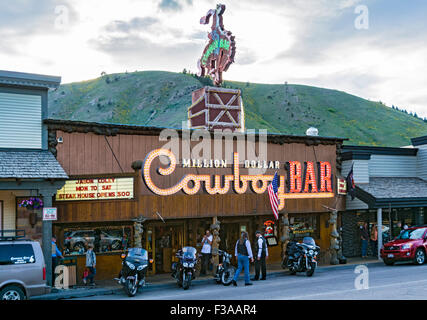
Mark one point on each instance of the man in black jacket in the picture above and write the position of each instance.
(260, 255)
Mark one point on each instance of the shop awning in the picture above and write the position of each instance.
(397, 192)
(30, 165)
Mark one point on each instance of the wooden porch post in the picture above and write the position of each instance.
(215, 243)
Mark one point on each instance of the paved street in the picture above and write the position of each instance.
(402, 281)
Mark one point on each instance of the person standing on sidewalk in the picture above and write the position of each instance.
(91, 265)
(374, 240)
(261, 252)
(364, 235)
(243, 252)
(56, 254)
(206, 252)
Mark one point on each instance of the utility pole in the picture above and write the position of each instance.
(47, 236)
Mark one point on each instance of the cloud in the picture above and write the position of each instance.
(151, 41)
(246, 57)
(172, 5)
(135, 24)
(199, 35)
(311, 42)
(22, 20)
(139, 50)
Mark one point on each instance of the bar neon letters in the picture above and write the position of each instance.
(191, 183)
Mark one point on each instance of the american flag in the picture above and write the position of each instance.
(351, 187)
(274, 199)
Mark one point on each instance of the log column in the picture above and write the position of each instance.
(285, 234)
(333, 216)
(215, 227)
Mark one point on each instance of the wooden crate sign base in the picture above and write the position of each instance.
(216, 108)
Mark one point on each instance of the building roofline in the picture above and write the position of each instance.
(419, 141)
(12, 78)
(350, 155)
(376, 203)
(114, 129)
(364, 152)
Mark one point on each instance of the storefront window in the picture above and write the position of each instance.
(304, 226)
(103, 239)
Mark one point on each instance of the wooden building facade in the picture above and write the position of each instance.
(177, 206)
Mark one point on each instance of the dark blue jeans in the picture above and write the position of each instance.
(374, 248)
(206, 257)
(242, 263)
(91, 275)
(364, 248)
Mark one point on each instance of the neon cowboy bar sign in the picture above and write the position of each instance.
(298, 186)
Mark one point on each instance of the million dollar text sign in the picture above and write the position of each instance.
(220, 50)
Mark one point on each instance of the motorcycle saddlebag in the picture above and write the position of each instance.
(291, 248)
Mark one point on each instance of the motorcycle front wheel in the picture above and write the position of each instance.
(228, 275)
(187, 282)
(217, 276)
(310, 272)
(131, 288)
(292, 268)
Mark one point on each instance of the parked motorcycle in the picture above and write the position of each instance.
(184, 271)
(301, 257)
(225, 271)
(134, 270)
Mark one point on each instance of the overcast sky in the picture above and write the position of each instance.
(324, 43)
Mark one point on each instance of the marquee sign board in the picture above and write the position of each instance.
(96, 189)
(302, 182)
(219, 53)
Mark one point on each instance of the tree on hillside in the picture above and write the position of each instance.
(206, 80)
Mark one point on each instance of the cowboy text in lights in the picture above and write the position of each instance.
(217, 184)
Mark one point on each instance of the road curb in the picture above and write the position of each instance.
(76, 293)
(83, 293)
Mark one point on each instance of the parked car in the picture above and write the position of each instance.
(22, 270)
(77, 241)
(410, 245)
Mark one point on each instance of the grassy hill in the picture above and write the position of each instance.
(157, 98)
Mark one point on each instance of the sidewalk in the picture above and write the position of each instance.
(163, 281)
